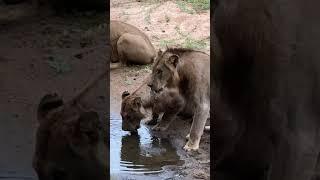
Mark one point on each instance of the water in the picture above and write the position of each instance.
(139, 154)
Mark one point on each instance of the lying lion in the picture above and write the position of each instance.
(130, 45)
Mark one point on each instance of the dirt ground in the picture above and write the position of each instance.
(40, 55)
(167, 23)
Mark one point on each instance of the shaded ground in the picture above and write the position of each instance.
(174, 24)
(37, 57)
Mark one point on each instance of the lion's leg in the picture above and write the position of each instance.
(165, 121)
(150, 104)
(121, 52)
(122, 59)
(154, 119)
(114, 52)
(197, 127)
(206, 128)
(171, 108)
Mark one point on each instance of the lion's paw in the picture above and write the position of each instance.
(191, 146)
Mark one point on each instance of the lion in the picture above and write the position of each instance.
(70, 141)
(130, 45)
(133, 108)
(266, 71)
(188, 71)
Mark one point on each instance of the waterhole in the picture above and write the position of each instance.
(140, 153)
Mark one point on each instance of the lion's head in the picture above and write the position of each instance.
(131, 112)
(164, 72)
(69, 144)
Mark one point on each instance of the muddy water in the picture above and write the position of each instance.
(140, 154)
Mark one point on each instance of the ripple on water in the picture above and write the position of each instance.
(141, 153)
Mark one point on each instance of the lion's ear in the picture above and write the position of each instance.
(173, 60)
(85, 133)
(48, 103)
(125, 94)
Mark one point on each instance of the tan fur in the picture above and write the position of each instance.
(132, 108)
(189, 72)
(129, 44)
(169, 101)
(59, 127)
(67, 129)
(131, 112)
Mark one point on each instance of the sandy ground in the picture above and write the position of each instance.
(166, 24)
(37, 57)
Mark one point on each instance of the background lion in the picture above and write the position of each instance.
(129, 44)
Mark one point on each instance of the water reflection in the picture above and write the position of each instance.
(139, 153)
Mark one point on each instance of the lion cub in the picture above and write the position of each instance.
(169, 101)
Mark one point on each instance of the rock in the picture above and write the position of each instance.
(199, 174)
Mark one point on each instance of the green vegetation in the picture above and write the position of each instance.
(199, 5)
(164, 43)
(147, 68)
(194, 44)
(128, 81)
(184, 6)
(87, 38)
(188, 42)
(192, 6)
(58, 65)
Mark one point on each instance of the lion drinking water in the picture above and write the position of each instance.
(180, 80)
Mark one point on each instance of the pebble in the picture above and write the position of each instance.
(200, 175)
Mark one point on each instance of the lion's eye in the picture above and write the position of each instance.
(159, 71)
